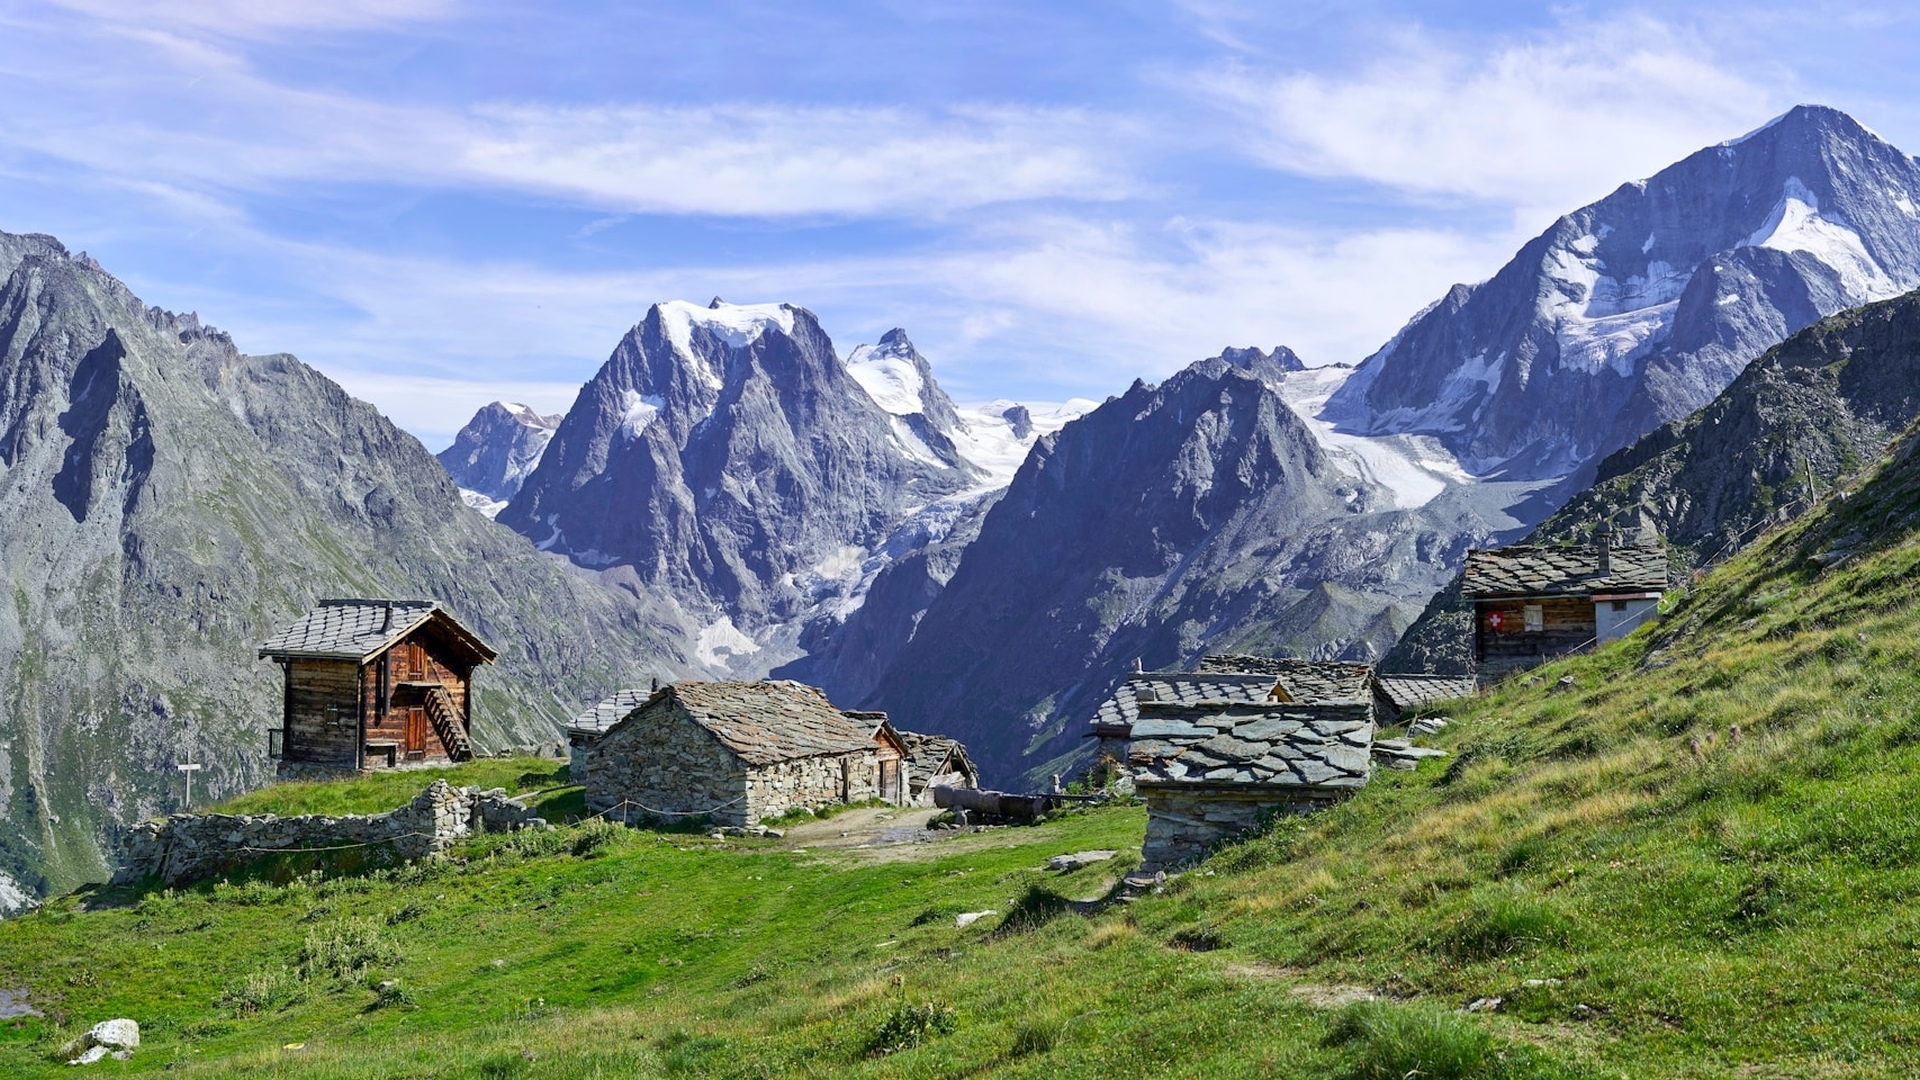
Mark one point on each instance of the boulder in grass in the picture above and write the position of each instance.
(116, 1037)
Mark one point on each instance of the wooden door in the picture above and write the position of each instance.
(416, 731)
(890, 781)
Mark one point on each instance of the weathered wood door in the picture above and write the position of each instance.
(890, 781)
(416, 731)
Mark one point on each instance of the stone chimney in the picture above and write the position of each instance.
(1606, 551)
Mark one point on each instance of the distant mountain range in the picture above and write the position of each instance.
(1640, 308)
(731, 495)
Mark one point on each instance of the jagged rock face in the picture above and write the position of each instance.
(165, 504)
(1812, 409)
(726, 455)
(493, 455)
(1280, 361)
(1640, 308)
(1199, 515)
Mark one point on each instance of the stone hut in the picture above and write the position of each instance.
(1211, 770)
(1535, 602)
(739, 752)
(934, 761)
(375, 684)
(1213, 751)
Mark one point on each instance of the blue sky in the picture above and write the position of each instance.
(441, 203)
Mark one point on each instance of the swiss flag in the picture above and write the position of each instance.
(1494, 620)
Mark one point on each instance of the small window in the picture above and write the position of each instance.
(1536, 618)
(1619, 605)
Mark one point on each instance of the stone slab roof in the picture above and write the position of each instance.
(598, 718)
(1309, 682)
(768, 722)
(359, 629)
(1562, 570)
(1413, 691)
(1259, 746)
(1190, 688)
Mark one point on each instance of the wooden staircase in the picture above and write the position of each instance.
(446, 724)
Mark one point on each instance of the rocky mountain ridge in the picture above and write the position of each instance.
(494, 453)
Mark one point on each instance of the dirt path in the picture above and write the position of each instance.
(889, 834)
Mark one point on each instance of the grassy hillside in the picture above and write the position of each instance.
(1647, 893)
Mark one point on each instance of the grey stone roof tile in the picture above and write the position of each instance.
(1562, 570)
(1254, 744)
(353, 629)
(1309, 682)
(598, 718)
(766, 722)
(1413, 691)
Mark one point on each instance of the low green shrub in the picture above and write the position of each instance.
(1395, 1041)
(1501, 923)
(346, 949)
(908, 1025)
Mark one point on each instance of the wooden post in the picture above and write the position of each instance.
(189, 767)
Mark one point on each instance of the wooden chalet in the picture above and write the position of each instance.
(375, 684)
(734, 753)
(1534, 602)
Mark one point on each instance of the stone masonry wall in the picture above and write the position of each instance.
(1184, 821)
(190, 847)
(812, 782)
(663, 764)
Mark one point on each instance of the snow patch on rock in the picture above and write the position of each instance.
(718, 644)
(889, 378)
(1796, 224)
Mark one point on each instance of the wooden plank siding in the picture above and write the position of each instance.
(321, 724)
(401, 717)
(1567, 624)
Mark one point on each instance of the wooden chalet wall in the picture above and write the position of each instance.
(401, 716)
(322, 723)
(1568, 623)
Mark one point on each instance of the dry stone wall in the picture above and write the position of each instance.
(191, 847)
(812, 782)
(1184, 821)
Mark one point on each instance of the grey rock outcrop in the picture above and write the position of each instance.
(166, 502)
(1640, 308)
(496, 451)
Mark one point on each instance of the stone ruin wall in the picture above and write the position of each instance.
(1183, 823)
(812, 782)
(191, 847)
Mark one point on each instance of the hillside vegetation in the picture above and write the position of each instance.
(1646, 892)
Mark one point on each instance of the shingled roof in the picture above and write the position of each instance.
(1563, 570)
(1253, 745)
(598, 718)
(1412, 691)
(1308, 682)
(358, 629)
(766, 722)
(1191, 688)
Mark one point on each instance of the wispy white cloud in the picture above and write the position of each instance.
(260, 18)
(1547, 122)
(189, 111)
